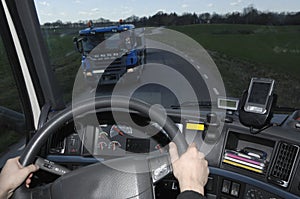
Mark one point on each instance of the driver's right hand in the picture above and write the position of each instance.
(190, 169)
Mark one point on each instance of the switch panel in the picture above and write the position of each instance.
(252, 192)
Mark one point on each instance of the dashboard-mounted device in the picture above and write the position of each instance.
(259, 93)
(257, 103)
(228, 103)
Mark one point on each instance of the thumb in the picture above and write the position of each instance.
(173, 152)
(29, 169)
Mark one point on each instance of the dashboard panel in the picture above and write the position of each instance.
(242, 165)
(109, 140)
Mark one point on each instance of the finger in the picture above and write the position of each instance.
(30, 176)
(30, 169)
(12, 161)
(192, 149)
(193, 145)
(173, 152)
(205, 163)
(28, 181)
(201, 155)
(18, 162)
(16, 158)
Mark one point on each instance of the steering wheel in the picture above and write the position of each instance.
(100, 180)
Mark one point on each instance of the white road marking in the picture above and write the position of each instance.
(216, 91)
(205, 76)
(198, 67)
(192, 60)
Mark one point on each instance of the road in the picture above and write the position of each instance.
(167, 79)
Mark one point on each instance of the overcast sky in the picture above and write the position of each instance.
(75, 10)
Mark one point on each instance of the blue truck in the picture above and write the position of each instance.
(110, 52)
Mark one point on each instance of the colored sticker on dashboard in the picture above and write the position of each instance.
(195, 126)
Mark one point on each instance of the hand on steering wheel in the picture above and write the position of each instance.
(101, 177)
(191, 169)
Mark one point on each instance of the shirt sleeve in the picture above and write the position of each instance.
(190, 195)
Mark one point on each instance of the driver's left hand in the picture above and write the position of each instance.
(13, 175)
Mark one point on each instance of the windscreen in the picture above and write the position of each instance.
(270, 46)
(90, 42)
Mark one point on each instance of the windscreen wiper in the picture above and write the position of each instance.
(205, 104)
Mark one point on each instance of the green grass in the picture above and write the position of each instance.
(243, 51)
(239, 51)
(9, 98)
(276, 47)
(65, 61)
(7, 138)
(8, 90)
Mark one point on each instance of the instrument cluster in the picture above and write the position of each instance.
(121, 139)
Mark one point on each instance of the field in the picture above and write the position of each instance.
(243, 51)
(239, 51)
(64, 59)
(8, 98)
(277, 47)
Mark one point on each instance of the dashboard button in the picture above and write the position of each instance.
(226, 186)
(235, 189)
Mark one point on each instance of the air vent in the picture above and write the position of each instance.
(283, 164)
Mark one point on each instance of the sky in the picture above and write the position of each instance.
(75, 10)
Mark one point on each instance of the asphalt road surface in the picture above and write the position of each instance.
(166, 79)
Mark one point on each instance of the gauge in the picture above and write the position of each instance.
(120, 130)
(102, 135)
(102, 145)
(114, 144)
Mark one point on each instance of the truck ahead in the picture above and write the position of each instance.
(110, 52)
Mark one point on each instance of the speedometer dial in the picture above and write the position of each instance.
(120, 130)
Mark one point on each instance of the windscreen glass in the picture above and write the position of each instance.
(244, 39)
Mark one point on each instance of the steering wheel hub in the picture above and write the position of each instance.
(101, 180)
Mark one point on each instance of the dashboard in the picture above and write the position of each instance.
(109, 140)
(242, 165)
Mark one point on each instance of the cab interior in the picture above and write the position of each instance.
(111, 141)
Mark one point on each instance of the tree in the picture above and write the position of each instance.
(204, 18)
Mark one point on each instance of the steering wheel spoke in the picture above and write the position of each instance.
(160, 166)
(102, 180)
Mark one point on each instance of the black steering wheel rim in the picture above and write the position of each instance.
(30, 152)
(57, 121)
